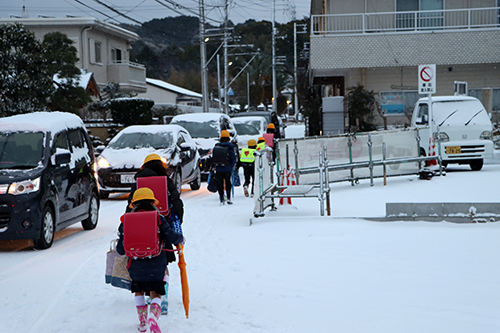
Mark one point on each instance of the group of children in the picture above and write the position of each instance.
(246, 161)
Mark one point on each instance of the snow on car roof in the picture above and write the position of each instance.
(40, 122)
(244, 119)
(197, 117)
(153, 129)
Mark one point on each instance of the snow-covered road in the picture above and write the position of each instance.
(291, 271)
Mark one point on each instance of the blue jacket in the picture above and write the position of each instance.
(232, 158)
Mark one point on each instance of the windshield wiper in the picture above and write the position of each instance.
(478, 112)
(451, 114)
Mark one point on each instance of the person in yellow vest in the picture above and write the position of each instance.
(247, 161)
(261, 143)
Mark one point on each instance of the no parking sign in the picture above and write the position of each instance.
(427, 79)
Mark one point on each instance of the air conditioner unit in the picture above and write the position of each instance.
(461, 88)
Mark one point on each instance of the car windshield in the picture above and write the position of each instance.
(246, 129)
(204, 130)
(137, 140)
(21, 150)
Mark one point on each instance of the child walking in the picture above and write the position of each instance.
(247, 161)
(147, 274)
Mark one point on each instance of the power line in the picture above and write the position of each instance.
(103, 14)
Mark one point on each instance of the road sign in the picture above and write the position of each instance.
(427, 79)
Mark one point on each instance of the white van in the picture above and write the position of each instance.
(464, 125)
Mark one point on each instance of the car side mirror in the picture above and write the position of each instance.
(63, 158)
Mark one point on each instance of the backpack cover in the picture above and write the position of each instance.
(159, 186)
(141, 234)
(220, 155)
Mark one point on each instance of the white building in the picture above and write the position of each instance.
(102, 48)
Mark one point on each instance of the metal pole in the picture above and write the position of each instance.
(226, 102)
(203, 51)
(321, 189)
(383, 159)
(218, 83)
(327, 181)
(296, 153)
(248, 91)
(370, 158)
(296, 99)
(274, 58)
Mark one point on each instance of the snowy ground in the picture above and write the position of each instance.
(291, 271)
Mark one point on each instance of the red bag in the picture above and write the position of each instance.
(159, 186)
(141, 234)
(269, 139)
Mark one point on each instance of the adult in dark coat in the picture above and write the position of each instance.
(224, 172)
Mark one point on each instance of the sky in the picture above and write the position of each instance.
(291, 271)
(146, 10)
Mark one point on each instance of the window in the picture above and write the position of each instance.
(61, 143)
(423, 20)
(98, 52)
(77, 141)
(95, 51)
(116, 55)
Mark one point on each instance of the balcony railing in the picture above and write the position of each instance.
(127, 74)
(446, 19)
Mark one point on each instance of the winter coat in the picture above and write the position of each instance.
(232, 158)
(174, 197)
(151, 269)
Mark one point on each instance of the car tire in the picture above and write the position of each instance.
(91, 221)
(196, 184)
(47, 230)
(476, 165)
(178, 181)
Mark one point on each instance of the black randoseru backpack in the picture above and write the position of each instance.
(220, 155)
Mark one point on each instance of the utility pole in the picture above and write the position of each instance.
(218, 83)
(203, 51)
(296, 98)
(226, 102)
(274, 56)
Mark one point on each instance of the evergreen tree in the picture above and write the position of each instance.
(360, 104)
(61, 58)
(25, 80)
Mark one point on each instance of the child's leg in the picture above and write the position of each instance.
(155, 311)
(142, 311)
(164, 300)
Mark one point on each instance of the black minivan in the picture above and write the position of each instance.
(47, 176)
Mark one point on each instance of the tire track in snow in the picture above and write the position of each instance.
(69, 281)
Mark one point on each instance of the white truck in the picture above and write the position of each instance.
(464, 126)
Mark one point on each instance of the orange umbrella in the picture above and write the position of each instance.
(184, 280)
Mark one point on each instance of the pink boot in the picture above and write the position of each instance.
(142, 312)
(154, 314)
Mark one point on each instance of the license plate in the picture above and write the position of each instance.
(453, 150)
(127, 179)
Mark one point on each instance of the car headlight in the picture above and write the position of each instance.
(25, 187)
(486, 135)
(444, 137)
(102, 162)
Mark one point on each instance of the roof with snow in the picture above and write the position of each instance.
(40, 122)
(171, 87)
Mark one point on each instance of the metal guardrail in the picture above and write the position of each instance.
(276, 190)
(408, 21)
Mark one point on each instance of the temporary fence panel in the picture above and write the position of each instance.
(264, 170)
(348, 149)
